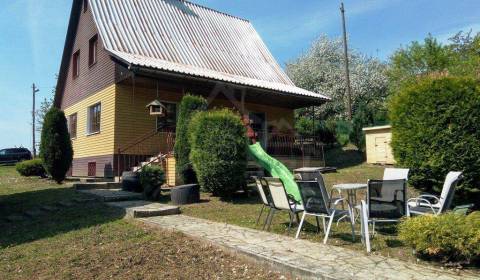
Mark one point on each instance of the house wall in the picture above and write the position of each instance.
(93, 78)
(97, 147)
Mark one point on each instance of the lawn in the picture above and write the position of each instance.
(88, 240)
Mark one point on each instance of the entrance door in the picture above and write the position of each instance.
(259, 125)
(381, 149)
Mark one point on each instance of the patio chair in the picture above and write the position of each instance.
(281, 201)
(315, 202)
(431, 204)
(391, 174)
(386, 203)
(395, 173)
(264, 195)
(317, 176)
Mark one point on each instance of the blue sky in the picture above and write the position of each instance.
(32, 34)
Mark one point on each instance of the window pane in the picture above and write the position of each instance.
(94, 118)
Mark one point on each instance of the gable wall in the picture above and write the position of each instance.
(91, 79)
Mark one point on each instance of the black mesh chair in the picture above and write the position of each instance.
(386, 203)
(316, 203)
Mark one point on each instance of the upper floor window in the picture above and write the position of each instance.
(72, 125)
(85, 5)
(169, 121)
(93, 120)
(92, 50)
(76, 64)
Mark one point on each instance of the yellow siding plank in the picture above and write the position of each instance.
(96, 144)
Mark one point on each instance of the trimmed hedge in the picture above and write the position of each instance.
(436, 129)
(55, 146)
(188, 106)
(448, 238)
(29, 168)
(152, 178)
(219, 151)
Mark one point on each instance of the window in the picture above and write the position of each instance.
(76, 64)
(169, 121)
(94, 114)
(85, 5)
(72, 125)
(92, 50)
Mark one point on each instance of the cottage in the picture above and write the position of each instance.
(123, 57)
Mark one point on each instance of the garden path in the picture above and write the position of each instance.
(301, 258)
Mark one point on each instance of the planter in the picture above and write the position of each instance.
(131, 182)
(185, 194)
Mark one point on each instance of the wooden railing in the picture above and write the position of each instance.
(141, 149)
(291, 145)
(155, 143)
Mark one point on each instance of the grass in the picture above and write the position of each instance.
(92, 241)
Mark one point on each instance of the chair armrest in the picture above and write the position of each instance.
(417, 200)
(431, 196)
(337, 200)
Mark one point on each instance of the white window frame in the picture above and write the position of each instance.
(89, 118)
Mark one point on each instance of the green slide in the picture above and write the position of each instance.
(276, 169)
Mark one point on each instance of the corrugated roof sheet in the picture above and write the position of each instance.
(186, 38)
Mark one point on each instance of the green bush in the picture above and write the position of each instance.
(188, 106)
(436, 129)
(152, 178)
(32, 167)
(449, 237)
(219, 156)
(55, 146)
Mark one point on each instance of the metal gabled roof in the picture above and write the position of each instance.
(183, 37)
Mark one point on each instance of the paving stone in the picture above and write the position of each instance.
(306, 259)
(110, 195)
(142, 208)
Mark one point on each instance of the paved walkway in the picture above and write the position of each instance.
(301, 257)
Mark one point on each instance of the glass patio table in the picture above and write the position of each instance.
(351, 190)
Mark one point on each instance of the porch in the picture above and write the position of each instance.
(156, 148)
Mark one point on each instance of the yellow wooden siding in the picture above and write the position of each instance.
(378, 146)
(102, 143)
(170, 173)
(133, 119)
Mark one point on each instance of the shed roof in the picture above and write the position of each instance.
(182, 37)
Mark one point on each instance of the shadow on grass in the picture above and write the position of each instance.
(45, 224)
(343, 158)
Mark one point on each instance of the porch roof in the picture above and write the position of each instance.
(177, 36)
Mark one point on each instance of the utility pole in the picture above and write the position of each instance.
(34, 149)
(347, 71)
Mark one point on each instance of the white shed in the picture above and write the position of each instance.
(378, 147)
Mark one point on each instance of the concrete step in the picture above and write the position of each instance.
(144, 209)
(110, 195)
(97, 185)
